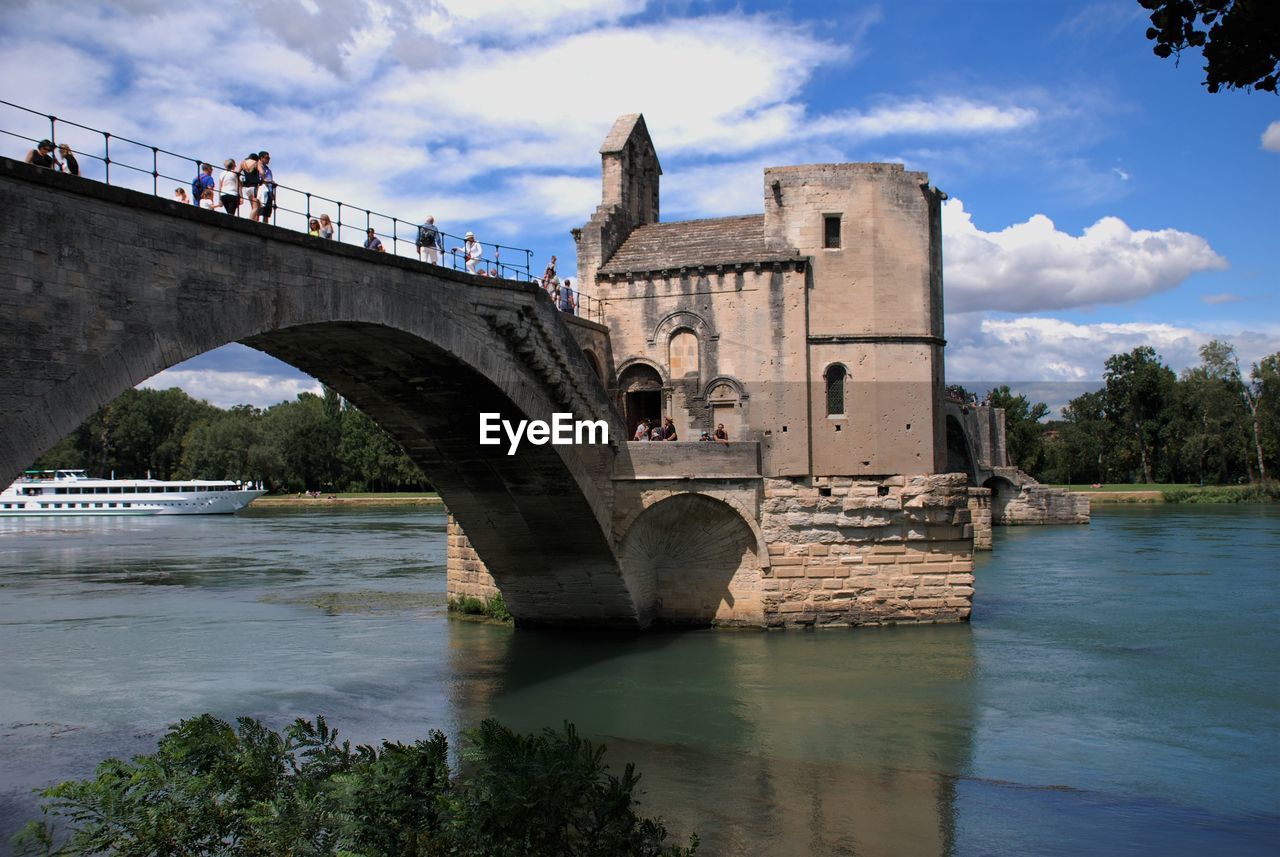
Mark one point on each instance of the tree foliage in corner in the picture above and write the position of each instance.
(1240, 39)
(213, 789)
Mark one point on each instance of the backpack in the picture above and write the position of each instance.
(197, 189)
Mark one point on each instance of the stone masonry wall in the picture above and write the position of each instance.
(466, 575)
(1040, 504)
(847, 551)
(980, 517)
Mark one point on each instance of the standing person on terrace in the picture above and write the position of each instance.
(429, 244)
(471, 252)
(326, 227)
(549, 274)
(229, 186)
(267, 189)
(202, 182)
(372, 242)
(250, 178)
(568, 300)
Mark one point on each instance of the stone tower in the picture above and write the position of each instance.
(629, 197)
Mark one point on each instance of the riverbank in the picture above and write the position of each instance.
(302, 501)
(1266, 492)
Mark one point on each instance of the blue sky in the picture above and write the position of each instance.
(1100, 199)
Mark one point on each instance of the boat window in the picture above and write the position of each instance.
(59, 490)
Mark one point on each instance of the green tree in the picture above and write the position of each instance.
(1022, 427)
(1083, 441)
(1139, 391)
(305, 434)
(370, 459)
(1240, 39)
(1263, 396)
(227, 445)
(213, 789)
(1212, 404)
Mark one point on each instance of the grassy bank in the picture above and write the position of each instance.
(1264, 492)
(425, 498)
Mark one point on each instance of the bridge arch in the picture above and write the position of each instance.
(119, 286)
(695, 575)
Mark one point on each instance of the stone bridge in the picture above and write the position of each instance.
(101, 288)
(976, 446)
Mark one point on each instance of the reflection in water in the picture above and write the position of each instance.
(764, 743)
(1115, 694)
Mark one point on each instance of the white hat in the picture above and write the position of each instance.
(471, 235)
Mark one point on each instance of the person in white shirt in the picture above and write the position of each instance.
(229, 186)
(471, 252)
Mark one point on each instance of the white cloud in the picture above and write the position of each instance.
(1271, 137)
(1054, 350)
(938, 116)
(226, 389)
(1033, 266)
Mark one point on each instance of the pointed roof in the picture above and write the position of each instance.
(624, 129)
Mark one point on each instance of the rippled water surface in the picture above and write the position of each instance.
(1116, 693)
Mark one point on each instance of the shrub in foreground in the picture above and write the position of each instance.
(211, 789)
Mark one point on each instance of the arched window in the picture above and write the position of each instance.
(834, 376)
(682, 353)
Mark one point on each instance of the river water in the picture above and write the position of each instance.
(1117, 692)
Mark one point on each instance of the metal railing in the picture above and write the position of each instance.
(293, 208)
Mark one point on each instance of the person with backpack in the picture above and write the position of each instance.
(568, 300)
(429, 244)
(202, 182)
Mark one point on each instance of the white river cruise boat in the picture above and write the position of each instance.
(71, 492)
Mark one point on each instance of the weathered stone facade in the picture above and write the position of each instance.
(1017, 499)
(980, 517)
(847, 551)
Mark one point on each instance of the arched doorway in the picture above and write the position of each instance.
(641, 388)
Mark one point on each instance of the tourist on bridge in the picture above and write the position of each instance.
(202, 181)
(549, 274)
(642, 430)
(429, 243)
(326, 227)
(250, 178)
(42, 155)
(372, 242)
(721, 435)
(69, 163)
(471, 252)
(267, 188)
(313, 228)
(229, 186)
(568, 300)
(206, 200)
(181, 195)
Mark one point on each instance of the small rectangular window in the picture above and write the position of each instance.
(831, 231)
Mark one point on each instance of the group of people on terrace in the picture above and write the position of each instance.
(562, 294)
(64, 162)
(250, 182)
(652, 430)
